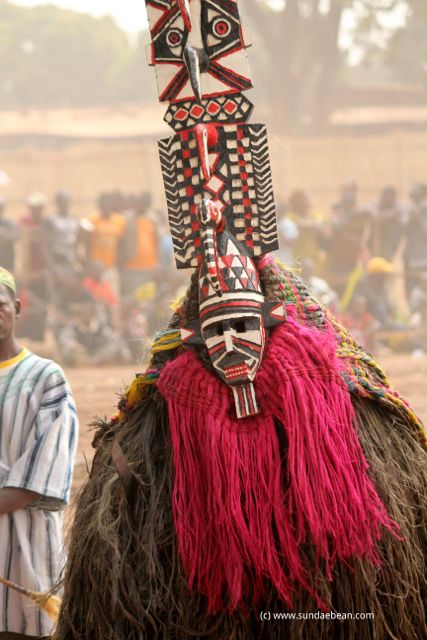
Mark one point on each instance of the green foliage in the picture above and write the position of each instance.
(53, 57)
(304, 47)
(407, 51)
(50, 56)
(302, 41)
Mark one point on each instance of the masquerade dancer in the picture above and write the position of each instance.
(262, 466)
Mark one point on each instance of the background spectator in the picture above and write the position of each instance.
(62, 234)
(9, 234)
(105, 231)
(374, 287)
(388, 224)
(416, 245)
(312, 227)
(35, 264)
(132, 241)
(140, 267)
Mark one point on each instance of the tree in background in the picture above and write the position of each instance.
(54, 57)
(305, 53)
(407, 51)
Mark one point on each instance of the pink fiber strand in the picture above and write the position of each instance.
(242, 514)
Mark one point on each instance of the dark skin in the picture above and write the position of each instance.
(11, 499)
(10, 309)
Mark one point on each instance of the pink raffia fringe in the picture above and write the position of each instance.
(242, 512)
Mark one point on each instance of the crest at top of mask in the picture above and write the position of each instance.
(213, 49)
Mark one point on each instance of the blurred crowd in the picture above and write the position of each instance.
(366, 261)
(97, 284)
(100, 284)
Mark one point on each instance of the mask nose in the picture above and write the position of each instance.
(197, 62)
(228, 339)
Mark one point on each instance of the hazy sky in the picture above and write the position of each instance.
(130, 14)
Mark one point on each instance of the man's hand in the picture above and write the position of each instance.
(12, 499)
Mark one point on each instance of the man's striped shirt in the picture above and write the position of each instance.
(38, 438)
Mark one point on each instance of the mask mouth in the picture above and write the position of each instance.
(237, 372)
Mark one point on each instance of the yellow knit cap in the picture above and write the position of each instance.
(7, 279)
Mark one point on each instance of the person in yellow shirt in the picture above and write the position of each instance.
(102, 235)
(312, 225)
(106, 231)
(140, 267)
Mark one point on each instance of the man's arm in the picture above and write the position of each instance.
(12, 499)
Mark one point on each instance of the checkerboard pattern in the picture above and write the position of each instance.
(240, 186)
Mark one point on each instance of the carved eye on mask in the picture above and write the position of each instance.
(222, 31)
(169, 41)
(174, 38)
(221, 28)
(238, 326)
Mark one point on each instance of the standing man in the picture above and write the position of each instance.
(62, 235)
(415, 255)
(104, 234)
(141, 266)
(312, 227)
(35, 264)
(389, 224)
(9, 234)
(38, 437)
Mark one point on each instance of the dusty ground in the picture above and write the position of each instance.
(96, 392)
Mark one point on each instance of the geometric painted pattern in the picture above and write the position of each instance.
(216, 29)
(235, 274)
(222, 109)
(217, 178)
(240, 185)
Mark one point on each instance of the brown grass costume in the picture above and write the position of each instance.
(124, 579)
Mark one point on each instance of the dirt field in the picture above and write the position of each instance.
(96, 392)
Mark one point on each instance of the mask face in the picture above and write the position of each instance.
(233, 313)
(231, 319)
(214, 44)
(235, 346)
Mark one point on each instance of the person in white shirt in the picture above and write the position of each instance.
(38, 438)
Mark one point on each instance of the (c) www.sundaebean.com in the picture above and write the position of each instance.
(268, 616)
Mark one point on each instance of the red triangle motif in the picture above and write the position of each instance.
(227, 260)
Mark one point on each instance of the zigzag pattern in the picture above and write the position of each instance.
(264, 187)
(185, 253)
